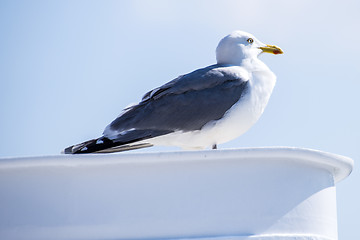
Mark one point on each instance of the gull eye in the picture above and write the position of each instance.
(250, 40)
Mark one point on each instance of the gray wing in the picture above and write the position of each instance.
(187, 103)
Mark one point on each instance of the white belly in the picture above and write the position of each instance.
(236, 121)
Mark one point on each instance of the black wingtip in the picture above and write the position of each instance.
(103, 145)
(85, 147)
(68, 150)
(132, 140)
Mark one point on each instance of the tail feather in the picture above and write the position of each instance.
(125, 142)
(125, 148)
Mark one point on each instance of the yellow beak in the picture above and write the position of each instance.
(272, 49)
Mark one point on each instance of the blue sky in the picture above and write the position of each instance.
(67, 68)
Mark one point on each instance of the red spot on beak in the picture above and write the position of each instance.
(276, 52)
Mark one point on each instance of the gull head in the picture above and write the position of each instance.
(239, 45)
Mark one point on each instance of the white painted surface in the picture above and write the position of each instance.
(257, 193)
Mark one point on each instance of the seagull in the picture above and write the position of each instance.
(198, 110)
